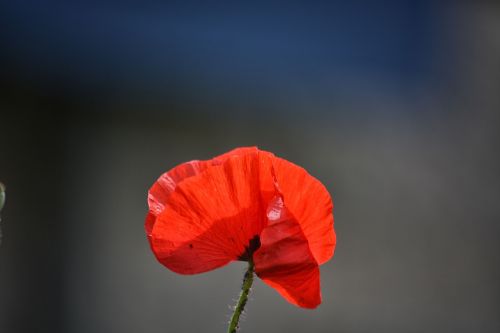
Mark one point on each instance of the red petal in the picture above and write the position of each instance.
(210, 218)
(236, 152)
(284, 260)
(166, 184)
(309, 202)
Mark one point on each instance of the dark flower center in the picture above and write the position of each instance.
(252, 246)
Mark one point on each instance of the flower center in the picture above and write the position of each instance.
(252, 246)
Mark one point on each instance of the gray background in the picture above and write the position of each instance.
(401, 125)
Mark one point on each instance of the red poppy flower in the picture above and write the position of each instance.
(246, 204)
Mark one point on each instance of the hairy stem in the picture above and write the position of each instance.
(242, 301)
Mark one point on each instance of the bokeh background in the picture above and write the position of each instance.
(394, 106)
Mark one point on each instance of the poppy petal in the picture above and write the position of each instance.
(166, 184)
(310, 203)
(168, 181)
(284, 260)
(236, 152)
(210, 218)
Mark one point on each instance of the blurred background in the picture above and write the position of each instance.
(394, 106)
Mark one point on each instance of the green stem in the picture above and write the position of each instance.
(242, 301)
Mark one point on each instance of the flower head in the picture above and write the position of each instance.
(246, 204)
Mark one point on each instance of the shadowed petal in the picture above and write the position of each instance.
(284, 260)
(309, 202)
